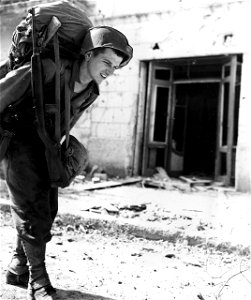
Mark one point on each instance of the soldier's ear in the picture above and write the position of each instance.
(88, 55)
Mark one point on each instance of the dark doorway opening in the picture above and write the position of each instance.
(200, 128)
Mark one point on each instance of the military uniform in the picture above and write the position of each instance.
(34, 201)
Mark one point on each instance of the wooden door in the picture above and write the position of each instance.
(157, 118)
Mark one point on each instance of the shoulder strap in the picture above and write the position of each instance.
(52, 144)
(67, 111)
(57, 90)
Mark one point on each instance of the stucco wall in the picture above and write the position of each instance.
(243, 157)
(208, 28)
(108, 127)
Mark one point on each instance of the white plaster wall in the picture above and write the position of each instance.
(108, 127)
(243, 155)
(181, 29)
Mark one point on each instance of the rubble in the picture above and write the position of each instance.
(98, 184)
(97, 179)
(195, 181)
(134, 207)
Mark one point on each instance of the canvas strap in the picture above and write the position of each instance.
(52, 143)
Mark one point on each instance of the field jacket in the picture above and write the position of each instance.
(15, 89)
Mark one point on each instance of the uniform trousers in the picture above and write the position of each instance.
(34, 204)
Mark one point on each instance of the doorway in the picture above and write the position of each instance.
(190, 125)
(196, 133)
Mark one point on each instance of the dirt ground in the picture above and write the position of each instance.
(88, 264)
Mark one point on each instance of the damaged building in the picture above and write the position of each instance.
(183, 103)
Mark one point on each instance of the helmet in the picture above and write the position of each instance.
(107, 37)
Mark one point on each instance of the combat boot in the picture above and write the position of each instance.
(18, 273)
(39, 287)
(18, 280)
(44, 293)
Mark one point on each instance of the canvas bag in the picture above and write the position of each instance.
(74, 24)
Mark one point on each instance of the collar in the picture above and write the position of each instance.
(75, 77)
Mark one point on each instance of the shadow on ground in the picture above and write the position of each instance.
(10, 292)
(76, 295)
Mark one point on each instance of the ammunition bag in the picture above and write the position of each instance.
(74, 159)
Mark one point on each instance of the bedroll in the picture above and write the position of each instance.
(73, 24)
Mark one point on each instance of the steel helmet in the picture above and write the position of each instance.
(107, 37)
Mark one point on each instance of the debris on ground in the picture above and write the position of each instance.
(98, 184)
(97, 179)
(192, 181)
(104, 208)
(139, 207)
(90, 263)
(161, 180)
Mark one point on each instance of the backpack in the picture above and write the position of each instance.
(59, 29)
(74, 24)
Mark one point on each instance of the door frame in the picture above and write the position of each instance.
(150, 85)
(153, 84)
(227, 147)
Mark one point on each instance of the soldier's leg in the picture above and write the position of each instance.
(18, 263)
(39, 284)
(34, 206)
(18, 273)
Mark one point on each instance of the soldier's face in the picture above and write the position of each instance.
(102, 65)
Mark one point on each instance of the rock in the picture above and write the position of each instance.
(170, 255)
(134, 207)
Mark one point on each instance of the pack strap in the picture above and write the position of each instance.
(52, 144)
(57, 89)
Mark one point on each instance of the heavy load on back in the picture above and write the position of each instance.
(55, 31)
(71, 28)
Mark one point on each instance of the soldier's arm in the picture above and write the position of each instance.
(16, 83)
(14, 86)
(4, 68)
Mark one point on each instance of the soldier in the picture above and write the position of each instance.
(34, 201)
